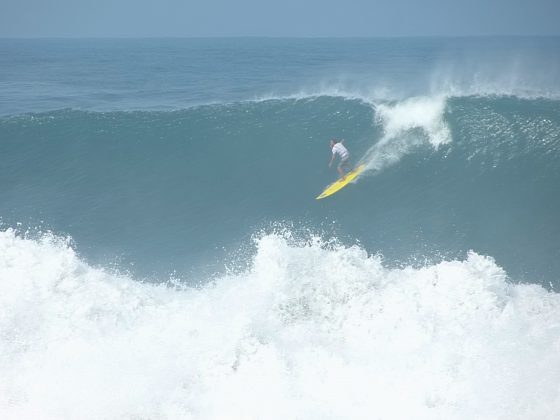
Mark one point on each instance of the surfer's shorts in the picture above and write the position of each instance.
(344, 163)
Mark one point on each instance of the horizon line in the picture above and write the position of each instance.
(124, 37)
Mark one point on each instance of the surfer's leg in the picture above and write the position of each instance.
(340, 172)
(340, 167)
(344, 165)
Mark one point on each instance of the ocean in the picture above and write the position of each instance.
(162, 254)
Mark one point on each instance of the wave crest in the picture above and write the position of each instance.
(407, 125)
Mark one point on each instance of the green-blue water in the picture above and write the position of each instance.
(201, 159)
(180, 190)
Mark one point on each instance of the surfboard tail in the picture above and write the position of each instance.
(338, 185)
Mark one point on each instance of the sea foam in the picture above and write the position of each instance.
(407, 125)
(309, 331)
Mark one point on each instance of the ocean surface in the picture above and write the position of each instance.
(162, 254)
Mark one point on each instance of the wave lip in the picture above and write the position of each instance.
(313, 330)
(424, 112)
(407, 125)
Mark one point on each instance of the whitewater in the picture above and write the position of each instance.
(162, 255)
(308, 331)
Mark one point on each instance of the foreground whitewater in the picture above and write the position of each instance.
(310, 330)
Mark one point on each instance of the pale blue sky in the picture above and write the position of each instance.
(188, 18)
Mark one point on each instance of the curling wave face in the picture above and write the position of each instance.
(445, 175)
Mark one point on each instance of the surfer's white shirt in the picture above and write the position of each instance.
(339, 149)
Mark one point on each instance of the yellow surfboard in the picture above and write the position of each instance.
(338, 185)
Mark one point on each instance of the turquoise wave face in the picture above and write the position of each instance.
(183, 191)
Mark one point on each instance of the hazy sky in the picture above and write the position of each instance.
(184, 18)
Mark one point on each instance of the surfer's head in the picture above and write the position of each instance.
(334, 141)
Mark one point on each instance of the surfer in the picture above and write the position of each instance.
(338, 149)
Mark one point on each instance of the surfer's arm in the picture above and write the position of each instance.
(332, 159)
